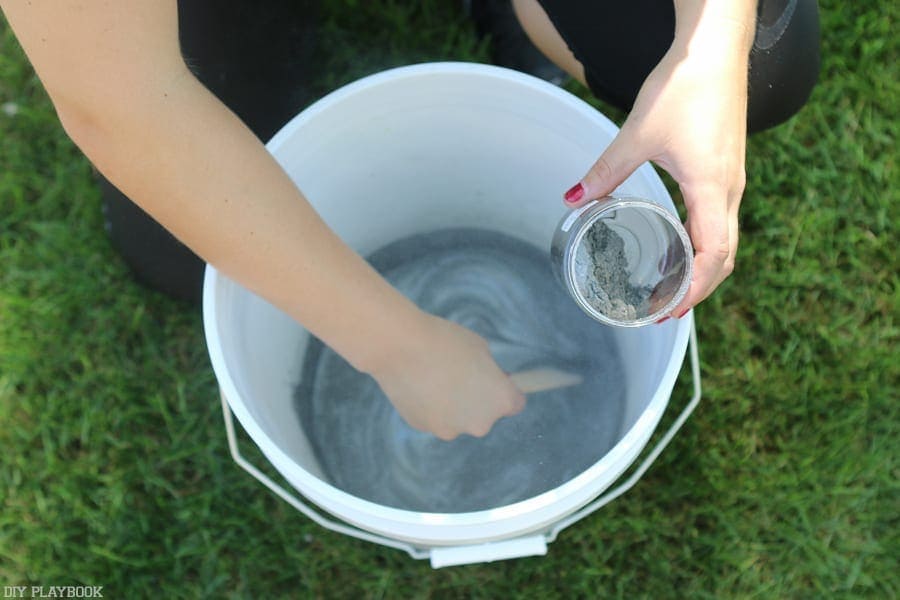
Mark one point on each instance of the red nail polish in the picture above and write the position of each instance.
(575, 193)
(684, 313)
(663, 320)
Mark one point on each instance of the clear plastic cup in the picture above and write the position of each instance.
(625, 261)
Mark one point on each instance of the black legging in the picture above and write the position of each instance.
(619, 45)
(255, 57)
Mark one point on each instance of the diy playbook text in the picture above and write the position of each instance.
(52, 591)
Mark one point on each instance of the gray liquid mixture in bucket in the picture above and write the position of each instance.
(502, 289)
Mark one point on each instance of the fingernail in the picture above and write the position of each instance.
(684, 313)
(663, 320)
(575, 193)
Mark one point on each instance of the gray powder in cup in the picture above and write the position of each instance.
(602, 275)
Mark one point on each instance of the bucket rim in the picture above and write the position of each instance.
(524, 516)
(451, 528)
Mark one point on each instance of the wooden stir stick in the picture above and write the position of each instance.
(543, 379)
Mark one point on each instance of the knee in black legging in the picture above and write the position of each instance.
(784, 62)
(619, 44)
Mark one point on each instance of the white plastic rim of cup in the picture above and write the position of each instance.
(657, 249)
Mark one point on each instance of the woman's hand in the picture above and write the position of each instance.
(444, 381)
(690, 119)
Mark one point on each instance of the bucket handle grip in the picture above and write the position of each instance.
(423, 553)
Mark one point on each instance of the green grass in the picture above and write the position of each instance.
(784, 483)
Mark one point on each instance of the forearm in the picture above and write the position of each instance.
(715, 29)
(187, 160)
(116, 77)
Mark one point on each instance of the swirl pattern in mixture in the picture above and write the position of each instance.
(501, 288)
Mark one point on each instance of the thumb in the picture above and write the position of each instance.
(617, 162)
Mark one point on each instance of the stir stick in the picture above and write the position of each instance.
(543, 379)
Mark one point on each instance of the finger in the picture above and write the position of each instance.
(445, 436)
(506, 401)
(440, 431)
(516, 402)
(511, 398)
(713, 230)
(617, 162)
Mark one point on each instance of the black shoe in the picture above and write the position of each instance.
(510, 45)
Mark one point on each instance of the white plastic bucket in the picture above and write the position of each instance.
(407, 151)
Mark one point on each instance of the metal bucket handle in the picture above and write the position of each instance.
(488, 551)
